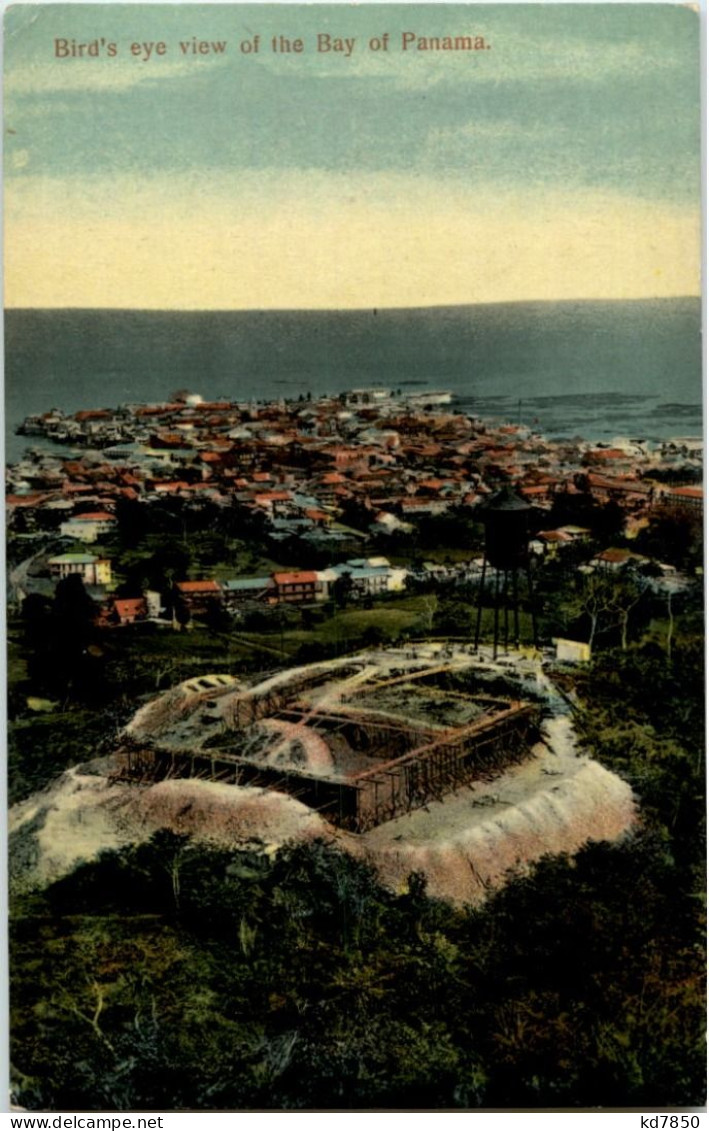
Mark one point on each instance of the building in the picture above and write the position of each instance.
(360, 742)
(572, 651)
(121, 611)
(684, 498)
(88, 527)
(369, 576)
(299, 587)
(614, 559)
(548, 542)
(199, 597)
(91, 569)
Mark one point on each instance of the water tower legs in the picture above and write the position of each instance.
(506, 594)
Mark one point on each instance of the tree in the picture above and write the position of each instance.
(430, 604)
(597, 597)
(454, 618)
(342, 589)
(674, 536)
(70, 660)
(669, 587)
(180, 611)
(36, 611)
(627, 593)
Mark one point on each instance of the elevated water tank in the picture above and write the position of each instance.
(506, 520)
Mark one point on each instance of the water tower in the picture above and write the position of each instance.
(506, 520)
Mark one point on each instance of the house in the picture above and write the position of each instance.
(615, 559)
(626, 492)
(298, 587)
(548, 542)
(365, 580)
(684, 498)
(386, 523)
(88, 527)
(124, 610)
(199, 596)
(91, 569)
(368, 576)
(576, 533)
(537, 494)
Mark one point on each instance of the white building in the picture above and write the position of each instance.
(88, 527)
(92, 570)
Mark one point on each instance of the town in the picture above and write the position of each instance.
(346, 498)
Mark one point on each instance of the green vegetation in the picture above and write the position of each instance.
(176, 977)
(657, 743)
(170, 977)
(41, 746)
(342, 630)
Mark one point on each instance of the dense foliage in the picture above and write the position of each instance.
(644, 718)
(172, 977)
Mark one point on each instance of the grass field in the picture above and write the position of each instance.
(347, 626)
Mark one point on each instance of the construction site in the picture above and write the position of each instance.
(461, 767)
(360, 741)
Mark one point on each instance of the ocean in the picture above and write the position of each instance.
(595, 370)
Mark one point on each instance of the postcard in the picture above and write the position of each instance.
(355, 620)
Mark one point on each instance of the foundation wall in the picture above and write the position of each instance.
(390, 789)
(429, 775)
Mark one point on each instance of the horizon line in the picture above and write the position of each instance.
(349, 309)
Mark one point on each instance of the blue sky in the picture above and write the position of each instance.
(561, 161)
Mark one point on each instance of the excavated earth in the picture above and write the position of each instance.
(467, 844)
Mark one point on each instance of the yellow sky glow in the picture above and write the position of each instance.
(350, 252)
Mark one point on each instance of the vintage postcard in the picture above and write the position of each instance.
(354, 486)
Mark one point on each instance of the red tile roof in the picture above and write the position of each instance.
(92, 414)
(130, 606)
(613, 556)
(24, 500)
(688, 492)
(198, 586)
(304, 577)
(272, 497)
(554, 536)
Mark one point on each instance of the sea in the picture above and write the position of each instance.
(592, 370)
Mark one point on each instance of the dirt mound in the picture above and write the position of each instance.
(80, 815)
(83, 814)
(478, 853)
(227, 814)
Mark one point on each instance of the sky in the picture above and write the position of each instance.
(560, 160)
